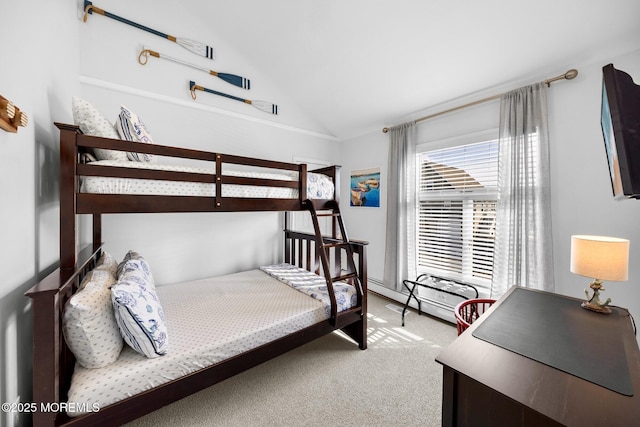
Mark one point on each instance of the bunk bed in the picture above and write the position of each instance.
(335, 259)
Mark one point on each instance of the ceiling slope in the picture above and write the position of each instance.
(358, 65)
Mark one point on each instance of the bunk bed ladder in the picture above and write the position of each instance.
(323, 246)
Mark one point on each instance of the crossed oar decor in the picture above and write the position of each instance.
(229, 78)
(191, 45)
(267, 107)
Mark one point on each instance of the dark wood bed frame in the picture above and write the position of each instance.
(53, 362)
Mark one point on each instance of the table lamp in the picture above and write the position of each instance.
(600, 258)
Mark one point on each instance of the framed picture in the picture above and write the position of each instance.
(365, 188)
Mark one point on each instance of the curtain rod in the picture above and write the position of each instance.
(571, 74)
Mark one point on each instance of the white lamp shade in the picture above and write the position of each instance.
(600, 257)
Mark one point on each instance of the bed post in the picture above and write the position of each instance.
(358, 330)
(68, 184)
(53, 361)
(97, 230)
(302, 191)
(336, 183)
(46, 347)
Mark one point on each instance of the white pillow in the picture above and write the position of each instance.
(93, 122)
(131, 128)
(138, 311)
(108, 263)
(88, 322)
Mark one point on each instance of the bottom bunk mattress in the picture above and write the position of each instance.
(208, 321)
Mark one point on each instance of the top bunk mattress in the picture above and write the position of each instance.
(319, 186)
(208, 321)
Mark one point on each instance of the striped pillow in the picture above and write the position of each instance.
(131, 128)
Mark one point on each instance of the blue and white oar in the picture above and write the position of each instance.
(267, 107)
(191, 45)
(229, 78)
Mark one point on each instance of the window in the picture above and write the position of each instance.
(457, 195)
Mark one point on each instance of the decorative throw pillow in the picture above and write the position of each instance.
(131, 128)
(134, 264)
(138, 311)
(93, 122)
(88, 323)
(108, 263)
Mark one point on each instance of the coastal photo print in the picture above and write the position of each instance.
(365, 188)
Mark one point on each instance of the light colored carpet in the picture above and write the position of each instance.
(330, 382)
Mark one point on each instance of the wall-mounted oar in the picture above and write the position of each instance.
(191, 45)
(229, 78)
(260, 105)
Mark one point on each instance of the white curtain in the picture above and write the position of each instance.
(399, 259)
(523, 245)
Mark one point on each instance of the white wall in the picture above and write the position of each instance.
(39, 73)
(366, 223)
(581, 194)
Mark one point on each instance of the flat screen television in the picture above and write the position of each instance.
(620, 120)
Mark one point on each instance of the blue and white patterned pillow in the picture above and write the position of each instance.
(134, 264)
(138, 311)
(319, 186)
(131, 128)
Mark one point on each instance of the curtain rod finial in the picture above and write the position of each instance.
(571, 74)
(385, 130)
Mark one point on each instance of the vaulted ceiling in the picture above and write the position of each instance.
(357, 65)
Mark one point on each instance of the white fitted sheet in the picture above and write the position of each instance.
(207, 322)
(318, 186)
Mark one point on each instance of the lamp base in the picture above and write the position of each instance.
(596, 308)
(593, 303)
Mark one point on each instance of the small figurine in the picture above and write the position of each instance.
(594, 302)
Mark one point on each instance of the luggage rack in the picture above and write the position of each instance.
(423, 281)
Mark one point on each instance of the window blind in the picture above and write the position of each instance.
(457, 211)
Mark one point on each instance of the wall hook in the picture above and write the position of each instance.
(10, 116)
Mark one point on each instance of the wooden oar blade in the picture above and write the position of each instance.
(191, 45)
(197, 47)
(235, 80)
(265, 106)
